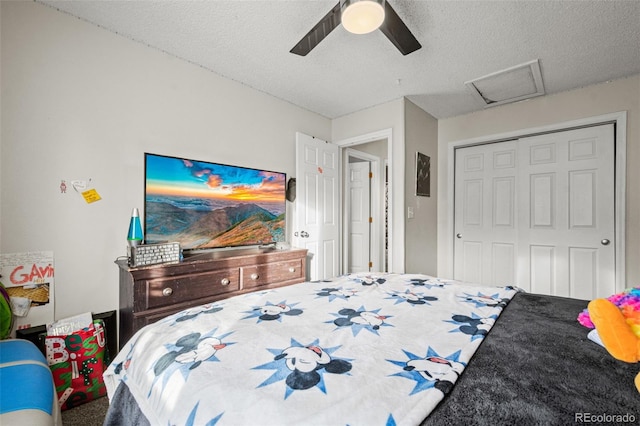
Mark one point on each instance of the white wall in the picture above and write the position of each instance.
(79, 102)
(421, 135)
(375, 148)
(600, 99)
(389, 115)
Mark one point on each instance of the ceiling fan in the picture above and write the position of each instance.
(378, 13)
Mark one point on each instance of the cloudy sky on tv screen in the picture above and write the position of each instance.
(207, 205)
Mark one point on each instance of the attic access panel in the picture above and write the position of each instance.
(513, 84)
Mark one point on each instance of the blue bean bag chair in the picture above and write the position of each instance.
(27, 391)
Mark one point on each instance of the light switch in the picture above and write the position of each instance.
(410, 213)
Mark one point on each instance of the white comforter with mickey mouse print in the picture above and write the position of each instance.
(363, 349)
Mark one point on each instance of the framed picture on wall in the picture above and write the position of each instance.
(423, 175)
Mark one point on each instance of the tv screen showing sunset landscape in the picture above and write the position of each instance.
(205, 205)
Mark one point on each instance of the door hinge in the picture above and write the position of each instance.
(370, 220)
(370, 175)
(370, 264)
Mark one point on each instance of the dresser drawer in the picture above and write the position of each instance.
(259, 275)
(170, 291)
(149, 293)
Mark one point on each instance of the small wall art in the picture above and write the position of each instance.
(423, 175)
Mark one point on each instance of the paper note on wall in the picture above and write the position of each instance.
(91, 196)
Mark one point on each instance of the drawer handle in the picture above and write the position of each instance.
(292, 269)
(254, 276)
(167, 291)
(225, 281)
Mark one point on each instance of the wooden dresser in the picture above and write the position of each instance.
(149, 293)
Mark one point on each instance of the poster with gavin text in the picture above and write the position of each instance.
(30, 275)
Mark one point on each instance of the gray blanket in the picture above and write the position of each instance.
(537, 367)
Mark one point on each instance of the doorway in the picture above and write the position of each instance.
(388, 236)
(313, 201)
(364, 214)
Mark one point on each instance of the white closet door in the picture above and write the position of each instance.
(538, 213)
(485, 214)
(567, 220)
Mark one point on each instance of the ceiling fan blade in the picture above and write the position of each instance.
(398, 32)
(319, 32)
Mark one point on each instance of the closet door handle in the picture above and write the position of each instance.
(458, 235)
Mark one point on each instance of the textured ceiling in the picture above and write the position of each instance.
(578, 43)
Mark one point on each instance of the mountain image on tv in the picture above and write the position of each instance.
(206, 205)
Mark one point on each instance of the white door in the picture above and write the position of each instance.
(485, 214)
(317, 205)
(548, 226)
(569, 212)
(359, 216)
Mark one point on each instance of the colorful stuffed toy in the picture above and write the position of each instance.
(617, 322)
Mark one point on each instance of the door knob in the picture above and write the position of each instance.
(605, 242)
(458, 235)
(304, 234)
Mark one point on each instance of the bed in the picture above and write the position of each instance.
(370, 349)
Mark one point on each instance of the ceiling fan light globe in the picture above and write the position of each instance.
(362, 16)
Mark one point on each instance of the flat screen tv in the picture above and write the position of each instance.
(205, 205)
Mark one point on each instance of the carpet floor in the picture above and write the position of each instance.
(89, 414)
